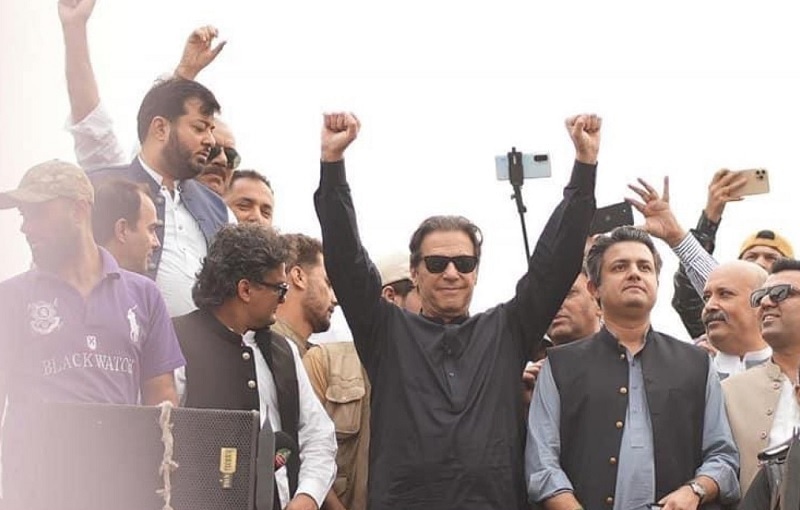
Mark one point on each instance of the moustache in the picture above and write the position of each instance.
(715, 316)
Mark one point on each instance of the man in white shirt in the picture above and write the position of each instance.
(175, 126)
(96, 144)
(234, 360)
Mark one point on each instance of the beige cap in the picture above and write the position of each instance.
(49, 180)
(768, 238)
(394, 268)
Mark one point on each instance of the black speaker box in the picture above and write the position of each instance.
(101, 457)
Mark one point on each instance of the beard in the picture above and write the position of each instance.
(180, 164)
(59, 249)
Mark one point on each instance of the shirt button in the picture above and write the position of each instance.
(245, 356)
(612, 461)
(769, 412)
(451, 374)
(776, 386)
(623, 390)
(251, 384)
(622, 356)
(763, 435)
(609, 500)
(618, 424)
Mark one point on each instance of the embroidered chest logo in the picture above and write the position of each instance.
(91, 342)
(134, 325)
(44, 317)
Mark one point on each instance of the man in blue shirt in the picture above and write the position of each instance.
(632, 416)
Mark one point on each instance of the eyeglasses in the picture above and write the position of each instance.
(776, 293)
(231, 154)
(438, 263)
(280, 288)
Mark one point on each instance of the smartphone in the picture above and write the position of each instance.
(534, 166)
(757, 182)
(610, 217)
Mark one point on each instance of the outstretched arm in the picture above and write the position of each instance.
(198, 52)
(355, 278)
(686, 301)
(81, 83)
(558, 256)
(660, 222)
(96, 145)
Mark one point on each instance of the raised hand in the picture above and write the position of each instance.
(338, 132)
(721, 190)
(584, 130)
(660, 222)
(72, 12)
(198, 52)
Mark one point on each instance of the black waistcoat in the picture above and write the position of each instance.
(221, 372)
(592, 379)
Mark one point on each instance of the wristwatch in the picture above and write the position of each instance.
(698, 489)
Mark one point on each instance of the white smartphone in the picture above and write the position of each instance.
(534, 166)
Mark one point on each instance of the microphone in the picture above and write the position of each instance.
(287, 452)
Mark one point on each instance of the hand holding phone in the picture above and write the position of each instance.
(610, 217)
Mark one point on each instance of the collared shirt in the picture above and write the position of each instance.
(285, 330)
(446, 400)
(315, 431)
(183, 249)
(730, 364)
(636, 476)
(96, 144)
(787, 414)
(58, 346)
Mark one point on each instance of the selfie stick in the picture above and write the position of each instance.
(516, 177)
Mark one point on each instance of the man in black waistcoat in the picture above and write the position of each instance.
(631, 417)
(234, 361)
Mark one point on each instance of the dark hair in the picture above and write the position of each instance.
(784, 264)
(239, 252)
(250, 174)
(444, 223)
(116, 199)
(402, 287)
(168, 99)
(594, 259)
(302, 250)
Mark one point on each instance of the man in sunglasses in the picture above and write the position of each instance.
(446, 401)
(763, 403)
(222, 160)
(234, 361)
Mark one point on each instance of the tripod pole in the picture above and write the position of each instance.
(521, 209)
(516, 176)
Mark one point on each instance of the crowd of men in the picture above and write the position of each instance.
(162, 279)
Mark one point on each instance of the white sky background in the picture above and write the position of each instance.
(441, 87)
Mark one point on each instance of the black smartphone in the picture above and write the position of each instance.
(610, 217)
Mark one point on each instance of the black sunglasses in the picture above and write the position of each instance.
(231, 154)
(280, 288)
(438, 263)
(776, 293)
